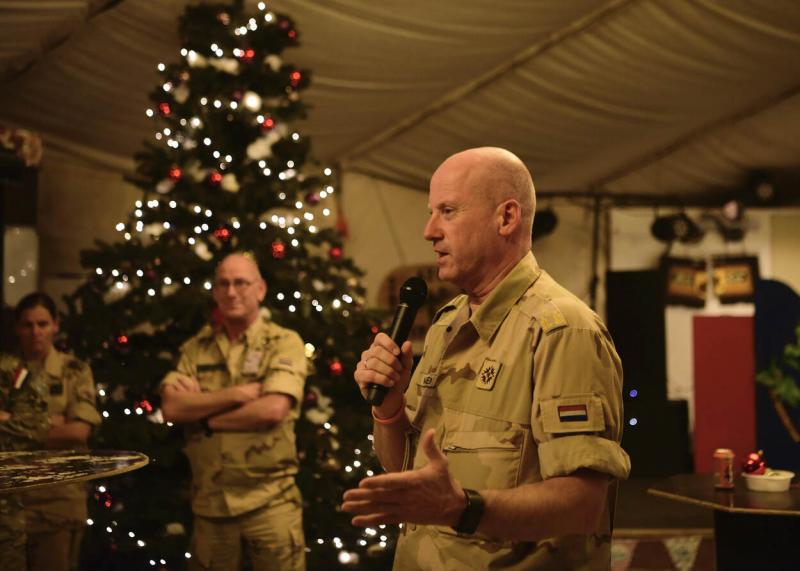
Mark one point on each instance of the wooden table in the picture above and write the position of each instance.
(753, 530)
(20, 471)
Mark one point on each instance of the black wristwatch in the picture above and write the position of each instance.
(473, 511)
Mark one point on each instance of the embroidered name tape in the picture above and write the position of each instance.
(573, 413)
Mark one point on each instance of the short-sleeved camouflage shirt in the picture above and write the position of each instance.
(70, 392)
(234, 472)
(526, 388)
(22, 395)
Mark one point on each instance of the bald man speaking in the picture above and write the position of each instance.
(503, 447)
(237, 388)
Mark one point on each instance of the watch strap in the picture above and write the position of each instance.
(472, 514)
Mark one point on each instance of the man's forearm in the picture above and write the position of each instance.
(72, 433)
(559, 506)
(390, 439)
(185, 406)
(260, 414)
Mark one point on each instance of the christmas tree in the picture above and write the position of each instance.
(225, 172)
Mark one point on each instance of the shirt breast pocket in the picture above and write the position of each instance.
(485, 459)
(211, 376)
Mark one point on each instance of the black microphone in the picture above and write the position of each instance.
(412, 295)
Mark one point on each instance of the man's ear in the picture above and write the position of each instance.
(262, 294)
(509, 216)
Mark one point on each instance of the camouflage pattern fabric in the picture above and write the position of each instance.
(527, 387)
(56, 516)
(243, 489)
(234, 472)
(26, 429)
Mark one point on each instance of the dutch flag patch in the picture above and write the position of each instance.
(573, 413)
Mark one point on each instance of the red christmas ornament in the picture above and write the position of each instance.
(122, 340)
(283, 24)
(164, 109)
(754, 463)
(310, 398)
(248, 54)
(175, 173)
(292, 34)
(294, 78)
(215, 178)
(268, 124)
(222, 233)
(336, 368)
(335, 253)
(278, 250)
(313, 198)
(145, 405)
(374, 329)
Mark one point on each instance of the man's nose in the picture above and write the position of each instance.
(431, 231)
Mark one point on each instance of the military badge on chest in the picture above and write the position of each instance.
(251, 364)
(488, 374)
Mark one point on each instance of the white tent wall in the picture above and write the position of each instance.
(386, 223)
(773, 237)
(78, 203)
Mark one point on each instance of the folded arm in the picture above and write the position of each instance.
(67, 433)
(182, 401)
(261, 413)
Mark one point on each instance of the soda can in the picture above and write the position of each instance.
(723, 468)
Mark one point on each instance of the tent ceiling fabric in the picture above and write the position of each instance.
(624, 96)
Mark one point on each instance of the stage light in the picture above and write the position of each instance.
(676, 227)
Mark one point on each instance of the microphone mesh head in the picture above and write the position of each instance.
(414, 292)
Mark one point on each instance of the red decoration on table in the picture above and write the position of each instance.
(754, 463)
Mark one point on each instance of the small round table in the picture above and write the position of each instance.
(20, 471)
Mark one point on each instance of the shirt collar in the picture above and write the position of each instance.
(254, 333)
(490, 314)
(53, 363)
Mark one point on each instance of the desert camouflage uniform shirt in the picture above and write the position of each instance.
(526, 388)
(25, 430)
(234, 472)
(71, 393)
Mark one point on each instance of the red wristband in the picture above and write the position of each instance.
(392, 419)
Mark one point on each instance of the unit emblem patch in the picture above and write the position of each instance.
(488, 374)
